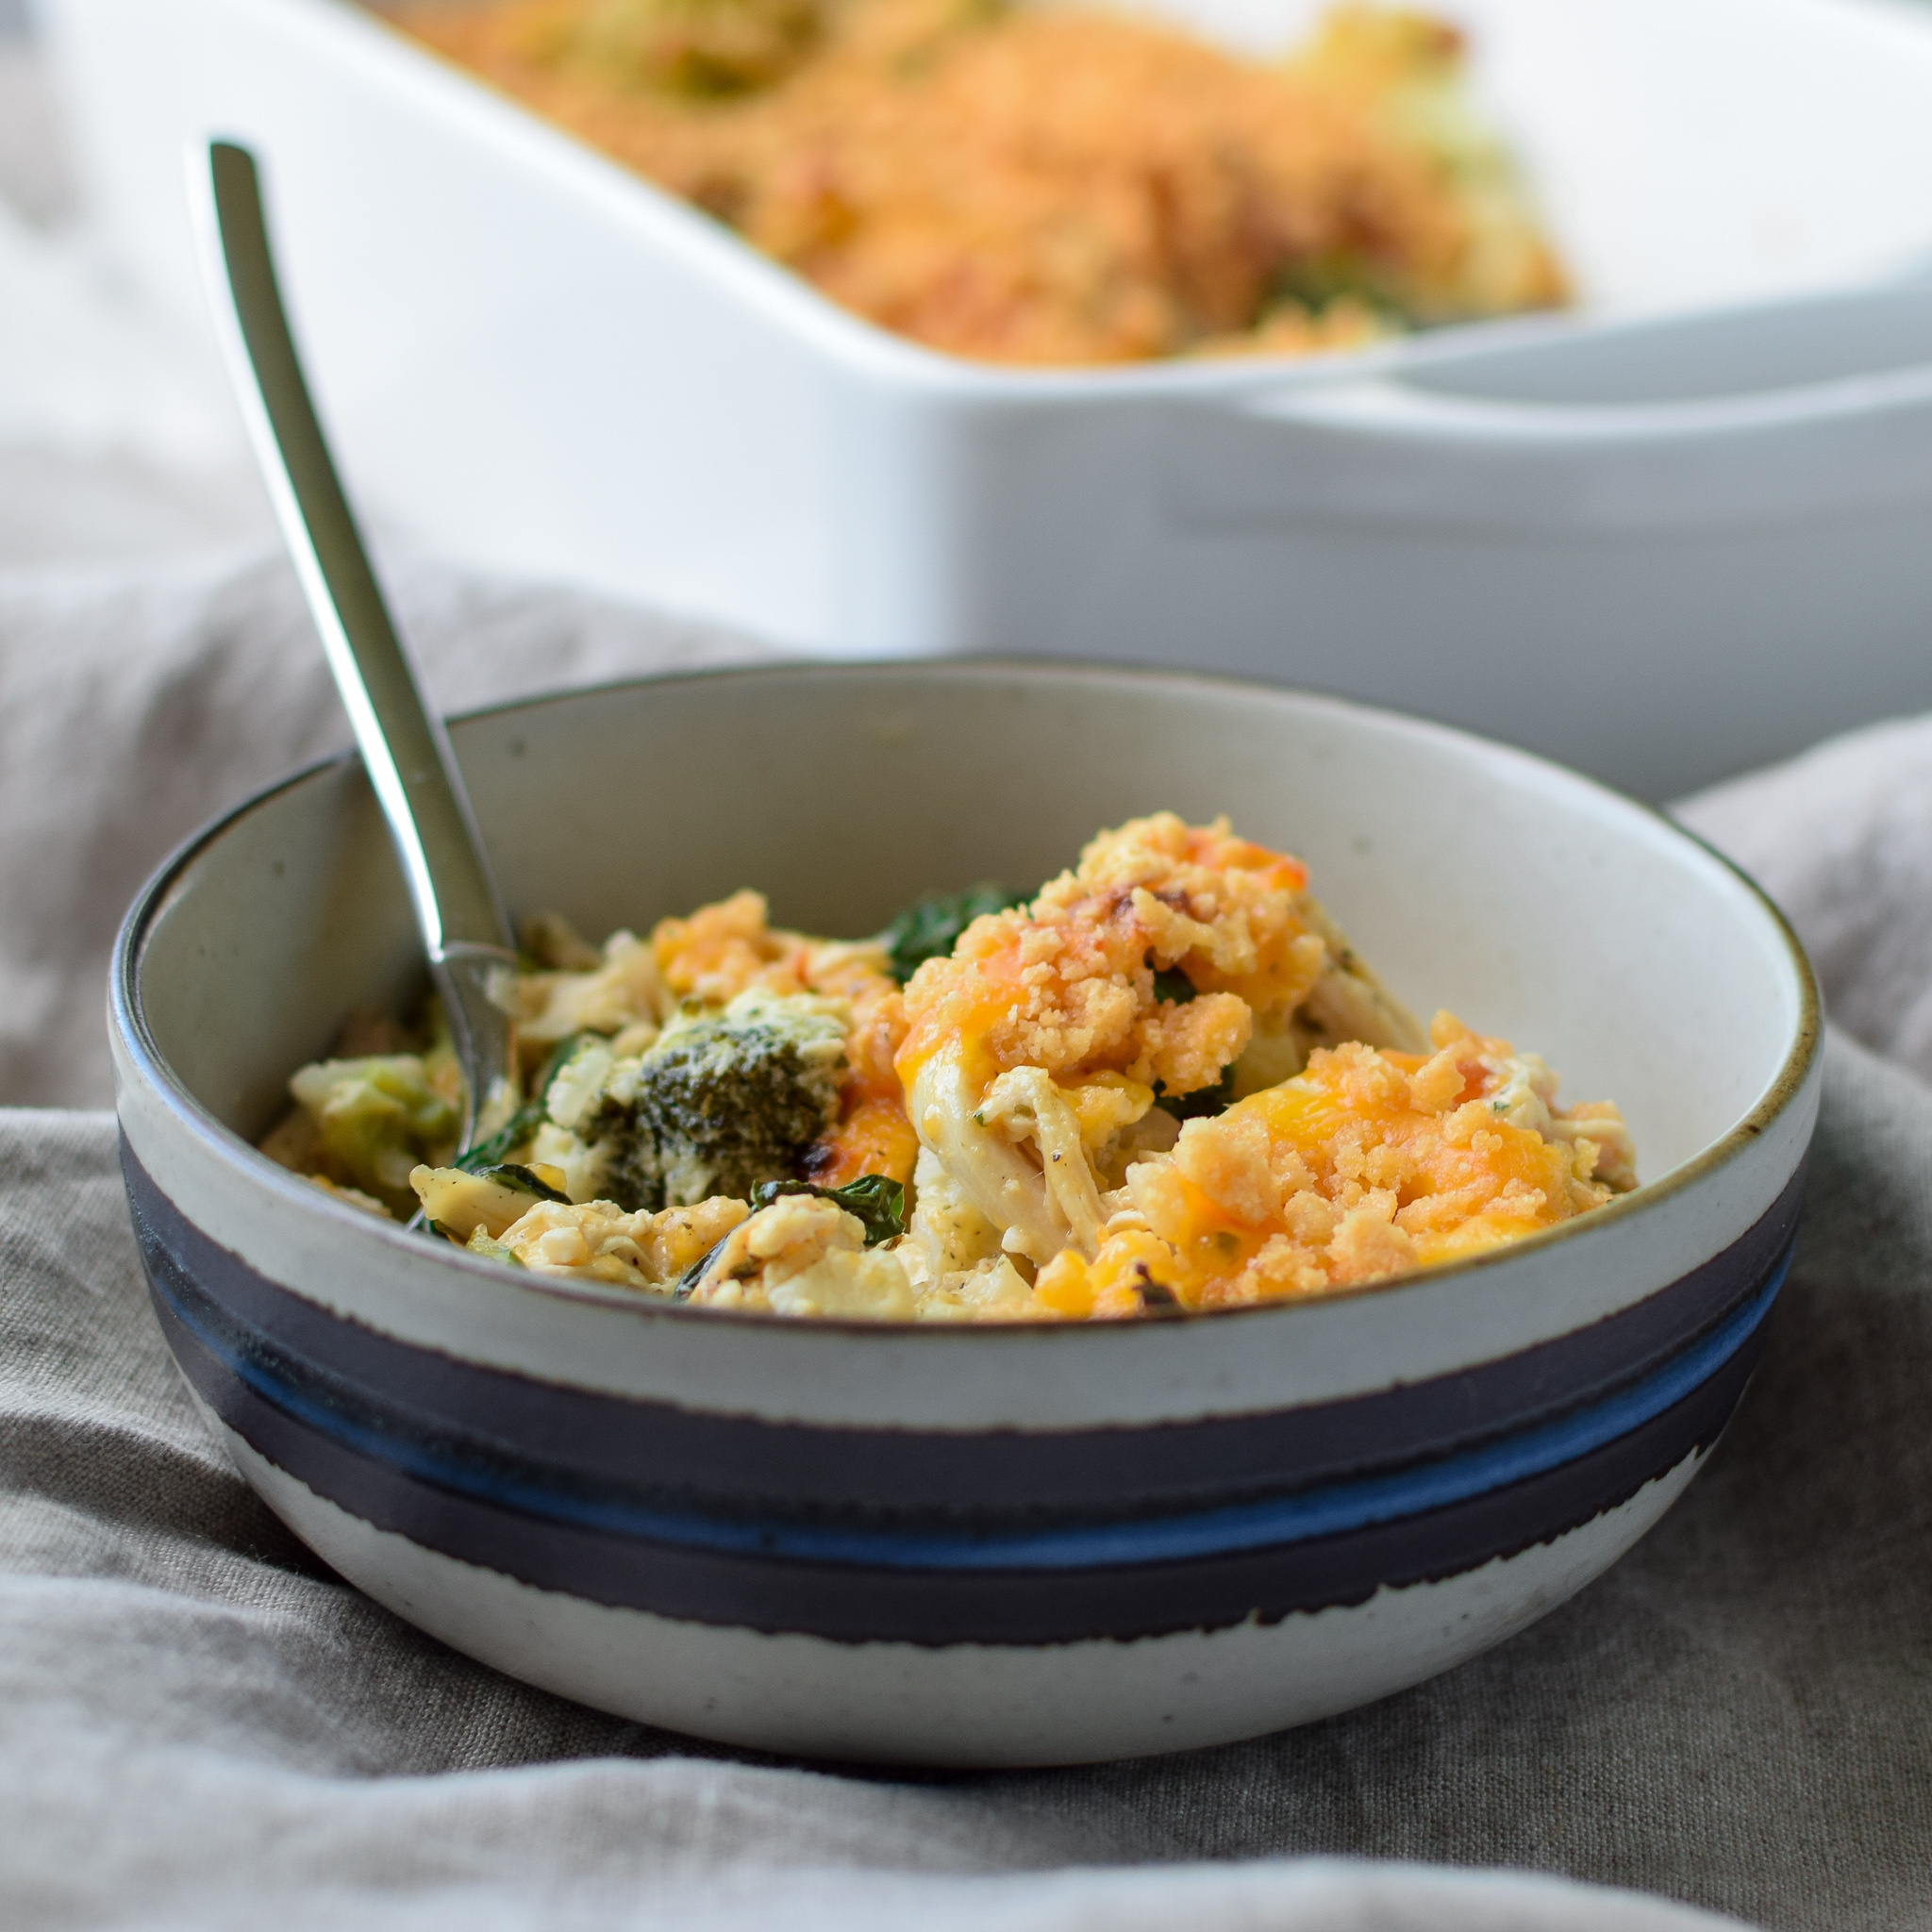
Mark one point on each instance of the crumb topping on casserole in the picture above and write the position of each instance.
(1050, 184)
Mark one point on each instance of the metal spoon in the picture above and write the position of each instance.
(404, 745)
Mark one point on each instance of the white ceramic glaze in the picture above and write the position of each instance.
(1626, 558)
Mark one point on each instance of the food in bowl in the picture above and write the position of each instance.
(1049, 184)
(1165, 1082)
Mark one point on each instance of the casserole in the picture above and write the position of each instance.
(1657, 565)
(1632, 561)
(975, 1544)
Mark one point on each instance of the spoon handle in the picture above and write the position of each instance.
(404, 745)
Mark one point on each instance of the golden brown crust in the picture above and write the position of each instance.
(1054, 185)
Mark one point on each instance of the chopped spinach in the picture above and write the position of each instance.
(873, 1198)
(878, 1201)
(515, 1131)
(1203, 1103)
(527, 1118)
(1171, 983)
(930, 927)
(520, 1180)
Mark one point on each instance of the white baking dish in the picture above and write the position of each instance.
(1655, 553)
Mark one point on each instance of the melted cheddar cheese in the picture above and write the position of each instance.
(1366, 1164)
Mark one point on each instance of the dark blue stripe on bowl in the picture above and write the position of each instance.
(687, 1461)
(1327, 1512)
(865, 1602)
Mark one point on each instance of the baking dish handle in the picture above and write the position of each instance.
(1391, 452)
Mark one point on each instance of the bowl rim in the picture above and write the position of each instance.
(127, 1019)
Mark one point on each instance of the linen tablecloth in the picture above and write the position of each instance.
(201, 1727)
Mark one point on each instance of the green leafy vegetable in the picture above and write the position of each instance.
(526, 1121)
(876, 1199)
(513, 1133)
(1153, 1294)
(1204, 1103)
(695, 1272)
(520, 1180)
(873, 1199)
(1171, 983)
(930, 927)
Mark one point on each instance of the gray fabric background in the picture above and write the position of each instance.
(134, 705)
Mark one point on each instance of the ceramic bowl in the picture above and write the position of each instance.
(988, 1545)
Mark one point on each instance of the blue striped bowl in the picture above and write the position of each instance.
(976, 1545)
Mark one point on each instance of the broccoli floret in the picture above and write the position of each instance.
(724, 1101)
(930, 927)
